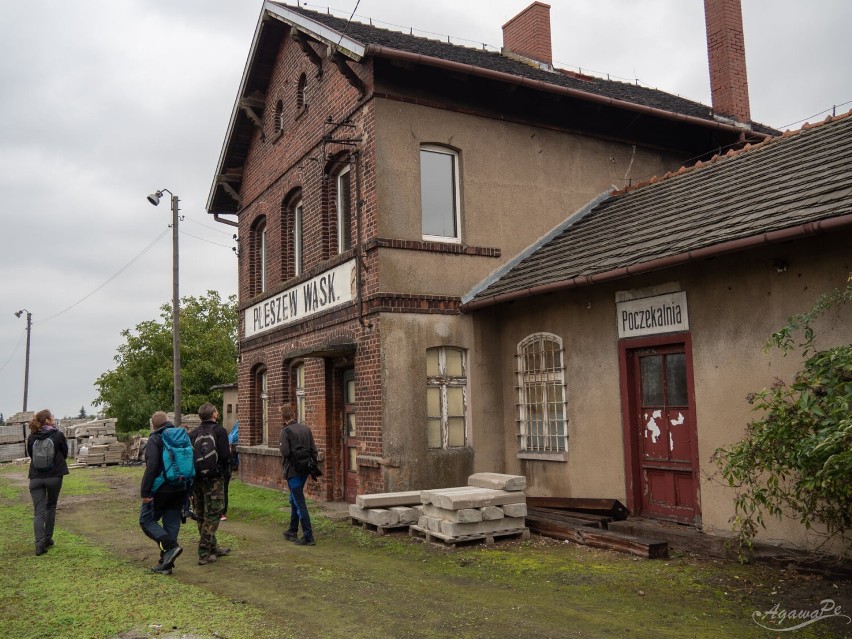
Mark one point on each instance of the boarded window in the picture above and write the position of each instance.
(446, 397)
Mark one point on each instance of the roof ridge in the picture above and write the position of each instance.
(655, 179)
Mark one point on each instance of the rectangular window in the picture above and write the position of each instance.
(439, 188)
(263, 384)
(542, 412)
(446, 388)
(300, 393)
(344, 211)
(297, 238)
(263, 259)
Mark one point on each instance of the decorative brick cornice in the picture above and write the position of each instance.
(433, 247)
(404, 303)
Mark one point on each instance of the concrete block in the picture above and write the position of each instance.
(405, 514)
(492, 513)
(452, 529)
(423, 522)
(472, 497)
(386, 500)
(498, 481)
(433, 524)
(426, 495)
(465, 515)
(515, 510)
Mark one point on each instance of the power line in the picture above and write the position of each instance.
(110, 279)
(209, 227)
(14, 350)
(182, 232)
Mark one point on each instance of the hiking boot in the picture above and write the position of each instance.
(223, 518)
(40, 550)
(221, 552)
(209, 559)
(49, 544)
(305, 542)
(291, 536)
(160, 569)
(169, 557)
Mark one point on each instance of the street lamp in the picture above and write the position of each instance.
(27, 365)
(154, 199)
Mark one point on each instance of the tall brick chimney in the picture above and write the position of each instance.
(726, 54)
(528, 34)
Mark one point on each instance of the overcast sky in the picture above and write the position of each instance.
(102, 103)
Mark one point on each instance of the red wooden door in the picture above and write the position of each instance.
(664, 425)
(350, 438)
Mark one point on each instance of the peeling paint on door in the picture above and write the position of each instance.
(651, 425)
(680, 420)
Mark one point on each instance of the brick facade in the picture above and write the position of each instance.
(726, 55)
(528, 33)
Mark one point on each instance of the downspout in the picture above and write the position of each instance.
(359, 251)
(224, 221)
(809, 229)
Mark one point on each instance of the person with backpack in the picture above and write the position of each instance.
(299, 457)
(212, 464)
(47, 449)
(169, 470)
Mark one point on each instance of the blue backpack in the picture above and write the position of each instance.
(178, 459)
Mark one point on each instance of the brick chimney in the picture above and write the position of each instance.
(726, 54)
(528, 34)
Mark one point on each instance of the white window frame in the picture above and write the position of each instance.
(442, 381)
(341, 224)
(299, 376)
(263, 258)
(298, 211)
(456, 239)
(263, 378)
(555, 445)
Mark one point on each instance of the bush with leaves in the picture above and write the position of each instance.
(142, 381)
(796, 459)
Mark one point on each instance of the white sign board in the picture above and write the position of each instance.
(328, 290)
(652, 315)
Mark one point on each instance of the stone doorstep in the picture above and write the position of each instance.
(498, 481)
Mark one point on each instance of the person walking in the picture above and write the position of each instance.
(296, 442)
(47, 449)
(164, 490)
(212, 463)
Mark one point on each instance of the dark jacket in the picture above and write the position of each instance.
(223, 448)
(154, 464)
(299, 435)
(60, 446)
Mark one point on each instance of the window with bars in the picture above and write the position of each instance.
(446, 401)
(541, 410)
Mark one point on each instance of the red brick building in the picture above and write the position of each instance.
(375, 178)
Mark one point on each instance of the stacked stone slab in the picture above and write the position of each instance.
(387, 510)
(490, 503)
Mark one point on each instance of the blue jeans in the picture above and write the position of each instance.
(167, 507)
(298, 507)
(45, 495)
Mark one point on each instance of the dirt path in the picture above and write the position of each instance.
(354, 585)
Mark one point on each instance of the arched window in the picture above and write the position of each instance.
(301, 101)
(542, 410)
(292, 239)
(446, 397)
(260, 403)
(259, 258)
(439, 194)
(343, 199)
(278, 123)
(299, 377)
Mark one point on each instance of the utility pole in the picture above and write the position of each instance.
(27, 365)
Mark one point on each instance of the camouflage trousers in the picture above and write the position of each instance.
(208, 503)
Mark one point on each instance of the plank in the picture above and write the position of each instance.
(610, 507)
(596, 538)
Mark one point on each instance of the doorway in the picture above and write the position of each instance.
(660, 429)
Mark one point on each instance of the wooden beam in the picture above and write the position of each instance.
(587, 536)
(229, 190)
(253, 102)
(307, 49)
(610, 507)
(254, 118)
(350, 75)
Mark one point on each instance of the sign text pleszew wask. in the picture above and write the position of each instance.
(327, 290)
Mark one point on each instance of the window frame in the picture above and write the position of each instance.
(344, 226)
(543, 379)
(443, 382)
(437, 149)
(299, 391)
(261, 385)
(298, 239)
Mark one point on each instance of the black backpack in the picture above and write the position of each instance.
(44, 453)
(302, 460)
(206, 455)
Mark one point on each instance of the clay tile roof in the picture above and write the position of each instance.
(800, 179)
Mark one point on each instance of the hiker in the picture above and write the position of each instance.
(234, 466)
(296, 440)
(169, 466)
(212, 464)
(47, 449)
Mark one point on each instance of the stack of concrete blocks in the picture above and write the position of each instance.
(385, 511)
(97, 443)
(492, 504)
(12, 442)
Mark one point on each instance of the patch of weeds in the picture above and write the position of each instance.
(84, 481)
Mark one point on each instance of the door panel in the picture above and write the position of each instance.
(350, 438)
(664, 427)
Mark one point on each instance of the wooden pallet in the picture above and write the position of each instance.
(446, 541)
(379, 530)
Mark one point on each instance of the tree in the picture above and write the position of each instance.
(82, 414)
(2, 420)
(142, 381)
(796, 459)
